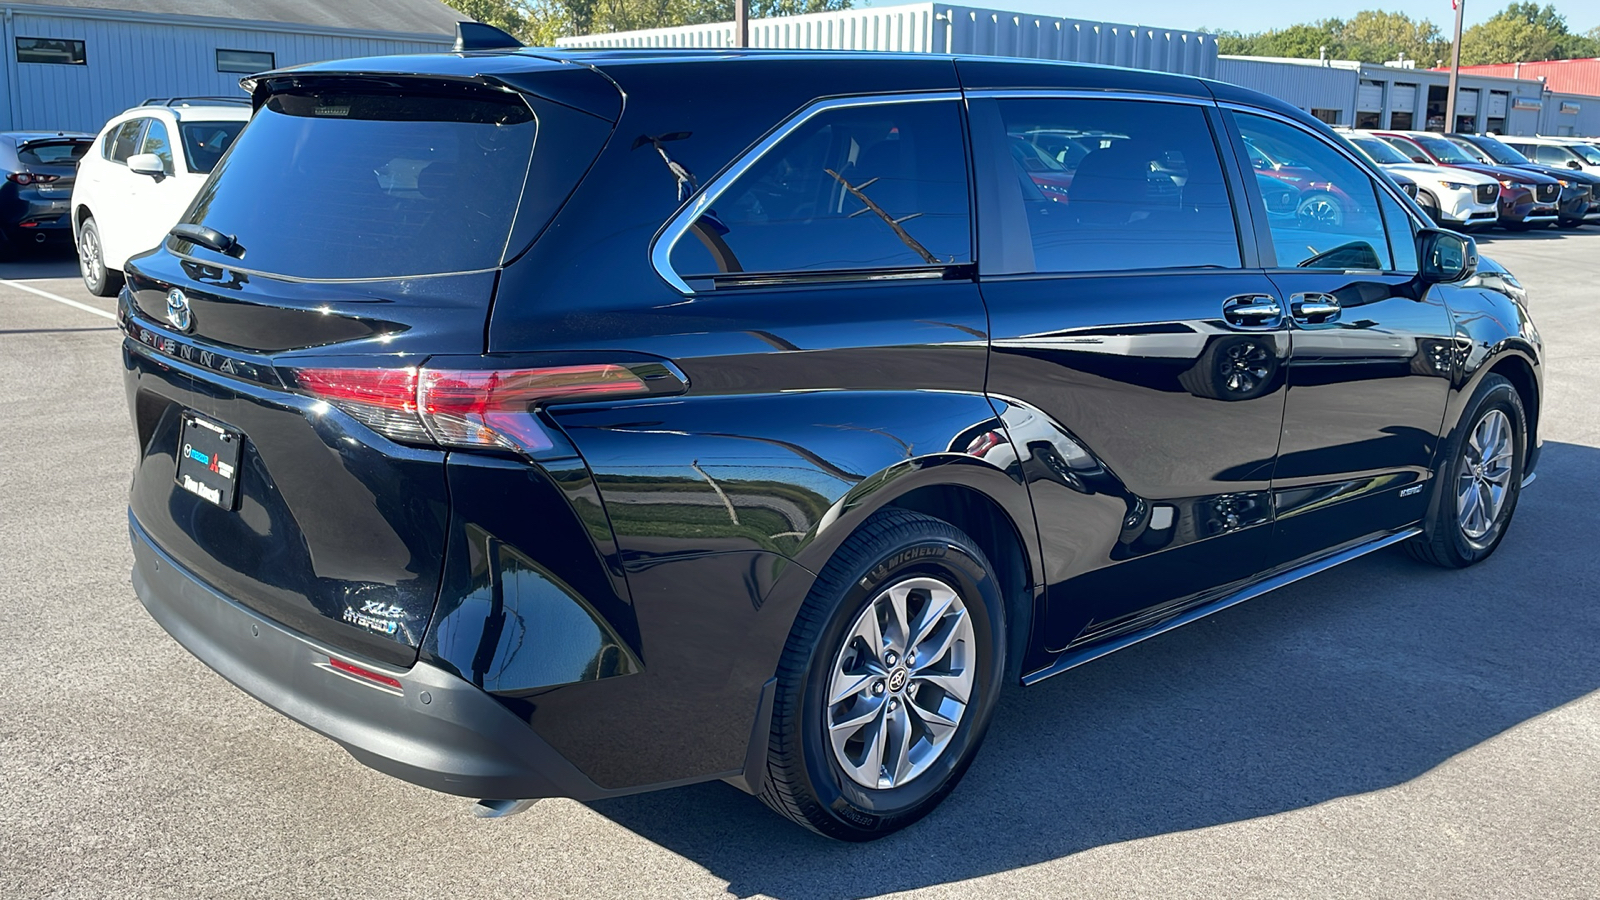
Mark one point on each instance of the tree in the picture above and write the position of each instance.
(1525, 32)
(541, 22)
(1375, 36)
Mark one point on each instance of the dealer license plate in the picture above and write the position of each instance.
(208, 460)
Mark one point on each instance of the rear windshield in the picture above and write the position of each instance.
(371, 184)
(53, 153)
(203, 142)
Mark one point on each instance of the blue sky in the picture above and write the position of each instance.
(1260, 15)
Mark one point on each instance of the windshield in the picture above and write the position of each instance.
(1472, 150)
(1443, 150)
(204, 142)
(371, 183)
(1500, 153)
(1379, 152)
(1589, 154)
(53, 152)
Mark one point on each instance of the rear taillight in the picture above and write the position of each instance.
(475, 408)
(27, 178)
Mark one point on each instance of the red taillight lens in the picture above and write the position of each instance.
(26, 178)
(484, 408)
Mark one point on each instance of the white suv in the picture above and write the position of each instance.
(139, 177)
(1455, 198)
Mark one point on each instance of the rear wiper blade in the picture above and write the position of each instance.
(209, 238)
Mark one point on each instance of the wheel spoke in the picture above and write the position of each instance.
(956, 685)
(897, 611)
(899, 727)
(864, 714)
(872, 760)
(938, 644)
(939, 603)
(846, 685)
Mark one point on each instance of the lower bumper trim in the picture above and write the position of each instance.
(436, 731)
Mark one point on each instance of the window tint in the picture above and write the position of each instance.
(205, 142)
(372, 185)
(155, 141)
(1116, 185)
(1553, 156)
(52, 152)
(1402, 233)
(867, 187)
(1321, 208)
(52, 51)
(124, 142)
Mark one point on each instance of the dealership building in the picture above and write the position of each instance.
(72, 64)
(1339, 92)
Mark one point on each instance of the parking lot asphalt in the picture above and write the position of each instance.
(1381, 730)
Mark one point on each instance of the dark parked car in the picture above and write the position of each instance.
(531, 443)
(1580, 191)
(1527, 199)
(38, 168)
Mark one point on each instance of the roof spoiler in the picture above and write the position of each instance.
(478, 36)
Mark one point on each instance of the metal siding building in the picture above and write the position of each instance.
(1565, 76)
(935, 28)
(1365, 95)
(168, 48)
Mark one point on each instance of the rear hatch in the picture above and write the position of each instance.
(47, 170)
(352, 233)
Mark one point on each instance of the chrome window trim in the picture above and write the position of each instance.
(679, 224)
(1383, 184)
(1074, 94)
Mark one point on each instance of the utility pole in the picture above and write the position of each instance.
(741, 23)
(1455, 69)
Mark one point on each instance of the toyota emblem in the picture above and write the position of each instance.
(178, 310)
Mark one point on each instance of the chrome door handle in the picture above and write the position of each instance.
(1314, 309)
(1253, 310)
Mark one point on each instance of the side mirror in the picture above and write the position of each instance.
(147, 164)
(1574, 164)
(1446, 257)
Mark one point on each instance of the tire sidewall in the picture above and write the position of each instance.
(866, 810)
(88, 231)
(1501, 396)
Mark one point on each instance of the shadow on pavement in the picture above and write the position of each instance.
(52, 260)
(1544, 234)
(1353, 681)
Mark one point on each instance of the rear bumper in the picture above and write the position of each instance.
(437, 731)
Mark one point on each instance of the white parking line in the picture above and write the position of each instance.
(59, 299)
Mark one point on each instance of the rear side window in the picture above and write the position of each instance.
(52, 153)
(1118, 185)
(205, 142)
(357, 184)
(124, 142)
(155, 141)
(1553, 156)
(855, 188)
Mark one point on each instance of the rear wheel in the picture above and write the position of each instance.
(888, 681)
(98, 279)
(1479, 481)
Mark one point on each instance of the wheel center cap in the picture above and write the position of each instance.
(897, 679)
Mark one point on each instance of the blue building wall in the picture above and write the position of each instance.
(134, 56)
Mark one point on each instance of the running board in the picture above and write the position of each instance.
(1073, 658)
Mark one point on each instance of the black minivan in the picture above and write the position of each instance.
(541, 423)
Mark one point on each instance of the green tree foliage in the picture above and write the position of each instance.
(540, 22)
(1523, 31)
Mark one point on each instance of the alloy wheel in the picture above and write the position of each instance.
(901, 684)
(1485, 477)
(89, 256)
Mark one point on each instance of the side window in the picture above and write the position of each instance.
(864, 187)
(155, 141)
(1321, 208)
(1553, 156)
(1118, 184)
(124, 142)
(1402, 233)
(1408, 150)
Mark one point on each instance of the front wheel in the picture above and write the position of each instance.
(99, 279)
(888, 680)
(1479, 481)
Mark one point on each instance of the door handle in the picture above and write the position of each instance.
(1253, 311)
(1314, 309)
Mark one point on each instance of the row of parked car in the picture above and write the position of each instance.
(1477, 181)
(115, 193)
